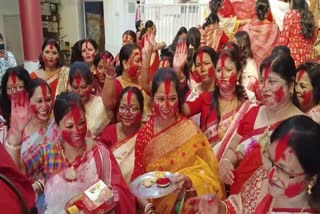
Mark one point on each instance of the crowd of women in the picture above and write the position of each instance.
(232, 108)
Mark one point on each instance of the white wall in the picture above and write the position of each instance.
(10, 7)
(117, 20)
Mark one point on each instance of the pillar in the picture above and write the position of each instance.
(32, 35)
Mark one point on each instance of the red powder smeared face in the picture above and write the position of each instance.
(233, 79)
(78, 78)
(165, 63)
(266, 75)
(41, 103)
(282, 146)
(134, 70)
(129, 118)
(76, 136)
(271, 174)
(301, 73)
(87, 44)
(129, 97)
(201, 60)
(279, 95)
(307, 98)
(167, 87)
(223, 60)
(51, 45)
(294, 189)
(14, 78)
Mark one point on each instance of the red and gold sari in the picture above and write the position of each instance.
(214, 37)
(58, 82)
(180, 148)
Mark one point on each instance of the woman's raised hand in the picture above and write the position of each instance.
(202, 205)
(180, 56)
(149, 42)
(20, 111)
(109, 68)
(226, 171)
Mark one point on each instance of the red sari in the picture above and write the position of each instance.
(292, 36)
(264, 35)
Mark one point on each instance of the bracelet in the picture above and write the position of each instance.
(149, 208)
(225, 159)
(226, 207)
(12, 146)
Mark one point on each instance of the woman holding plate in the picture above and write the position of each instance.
(172, 143)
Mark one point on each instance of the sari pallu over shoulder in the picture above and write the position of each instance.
(182, 148)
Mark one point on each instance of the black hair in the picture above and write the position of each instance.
(147, 25)
(100, 56)
(210, 51)
(313, 71)
(211, 19)
(132, 34)
(35, 83)
(181, 31)
(307, 19)
(23, 75)
(82, 69)
(76, 52)
(62, 105)
(281, 64)
(304, 141)
(168, 53)
(262, 7)
(161, 76)
(1, 37)
(137, 92)
(281, 49)
(244, 43)
(138, 23)
(44, 45)
(92, 42)
(125, 53)
(193, 37)
(232, 51)
(215, 5)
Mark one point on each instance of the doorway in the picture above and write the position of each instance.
(13, 36)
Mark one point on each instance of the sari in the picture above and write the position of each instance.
(58, 82)
(214, 132)
(3, 130)
(97, 163)
(214, 36)
(291, 36)
(255, 198)
(180, 148)
(264, 35)
(122, 150)
(97, 116)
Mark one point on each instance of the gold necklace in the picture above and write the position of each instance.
(222, 129)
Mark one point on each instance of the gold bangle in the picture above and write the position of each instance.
(226, 207)
(12, 146)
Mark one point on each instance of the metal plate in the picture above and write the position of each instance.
(138, 188)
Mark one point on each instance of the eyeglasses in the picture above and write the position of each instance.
(10, 88)
(132, 110)
(280, 171)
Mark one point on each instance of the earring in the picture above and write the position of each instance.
(237, 83)
(309, 189)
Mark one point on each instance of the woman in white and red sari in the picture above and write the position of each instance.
(276, 84)
(264, 33)
(307, 89)
(288, 181)
(221, 109)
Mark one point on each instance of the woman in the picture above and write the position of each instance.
(150, 29)
(121, 137)
(89, 50)
(132, 75)
(276, 85)
(7, 59)
(204, 60)
(264, 34)
(222, 108)
(76, 52)
(249, 77)
(169, 142)
(128, 37)
(213, 35)
(299, 31)
(81, 81)
(139, 27)
(181, 36)
(166, 57)
(74, 163)
(287, 183)
(40, 129)
(100, 62)
(15, 81)
(307, 89)
(51, 67)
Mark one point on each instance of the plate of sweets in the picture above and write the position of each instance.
(153, 185)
